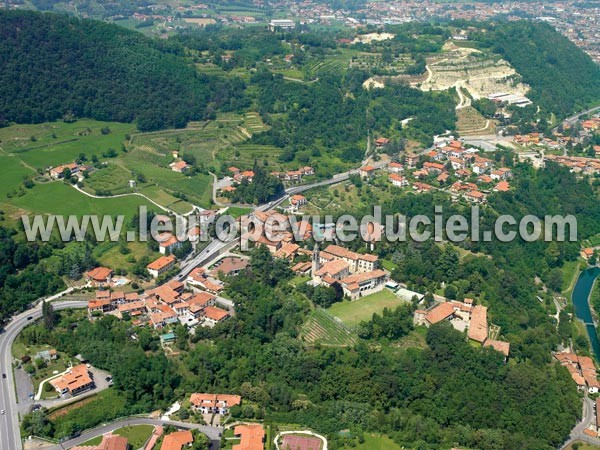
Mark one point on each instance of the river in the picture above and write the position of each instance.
(581, 295)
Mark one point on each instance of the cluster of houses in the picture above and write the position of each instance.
(164, 305)
(449, 160)
(463, 316)
(582, 370)
(291, 176)
(294, 176)
(577, 164)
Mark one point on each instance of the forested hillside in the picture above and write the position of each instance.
(52, 66)
(563, 78)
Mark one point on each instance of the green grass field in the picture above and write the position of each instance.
(136, 435)
(58, 142)
(322, 328)
(44, 198)
(375, 442)
(354, 312)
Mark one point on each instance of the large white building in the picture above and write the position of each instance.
(282, 24)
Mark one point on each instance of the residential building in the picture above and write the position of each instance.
(214, 403)
(398, 180)
(161, 265)
(167, 243)
(75, 381)
(395, 167)
(177, 440)
(252, 437)
(99, 276)
(366, 172)
(109, 442)
(214, 315)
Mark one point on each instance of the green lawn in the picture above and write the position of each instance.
(353, 312)
(375, 442)
(237, 211)
(582, 446)
(136, 435)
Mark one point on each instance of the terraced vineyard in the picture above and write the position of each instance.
(321, 328)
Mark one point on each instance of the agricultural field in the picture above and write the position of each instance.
(322, 328)
(471, 122)
(351, 313)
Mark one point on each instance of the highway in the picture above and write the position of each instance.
(10, 435)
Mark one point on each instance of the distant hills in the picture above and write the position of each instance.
(55, 65)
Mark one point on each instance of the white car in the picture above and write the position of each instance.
(3, 412)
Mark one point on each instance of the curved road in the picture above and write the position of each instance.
(213, 433)
(9, 421)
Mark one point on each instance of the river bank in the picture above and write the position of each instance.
(580, 298)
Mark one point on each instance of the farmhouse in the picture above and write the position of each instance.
(58, 172)
(179, 166)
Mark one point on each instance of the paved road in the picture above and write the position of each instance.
(9, 422)
(571, 120)
(213, 433)
(587, 418)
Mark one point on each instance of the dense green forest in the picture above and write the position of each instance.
(563, 78)
(22, 278)
(54, 66)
